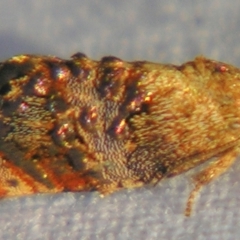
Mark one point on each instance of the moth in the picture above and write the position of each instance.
(85, 125)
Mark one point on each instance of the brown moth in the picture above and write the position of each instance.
(83, 125)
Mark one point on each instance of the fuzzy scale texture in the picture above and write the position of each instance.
(170, 32)
(83, 125)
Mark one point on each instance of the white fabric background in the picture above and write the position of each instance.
(161, 31)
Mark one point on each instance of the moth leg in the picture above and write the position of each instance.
(215, 169)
